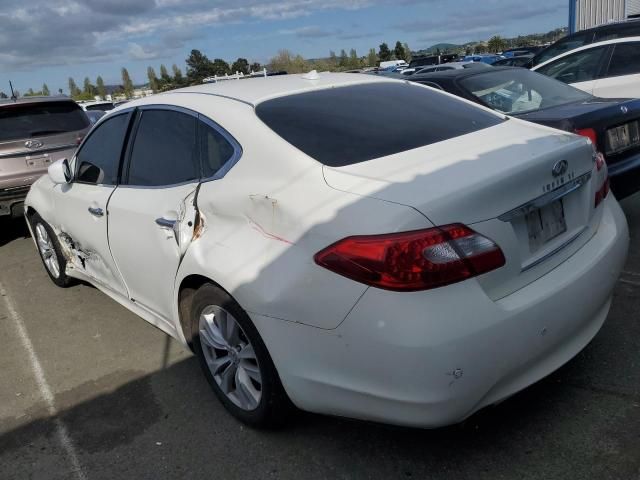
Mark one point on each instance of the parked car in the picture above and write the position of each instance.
(484, 58)
(423, 61)
(611, 124)
(34, 133)
(609, 69)
(445, 67)
(609, 31)
(393, 64)
(519, 61)
(370, 268)
(101, 105)
(519, 51)
(94, 115)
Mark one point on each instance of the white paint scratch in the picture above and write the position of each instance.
(43, 386)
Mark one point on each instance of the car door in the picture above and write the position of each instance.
(152, 215)
(622, 76)
(579, 69)
(81, 206)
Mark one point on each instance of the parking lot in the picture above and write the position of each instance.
(88, 390)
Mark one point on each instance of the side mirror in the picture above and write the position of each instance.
(60, 172)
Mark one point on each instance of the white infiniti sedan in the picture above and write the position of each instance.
(315, 242)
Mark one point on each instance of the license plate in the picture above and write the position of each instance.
(623, 137)
(545, 224)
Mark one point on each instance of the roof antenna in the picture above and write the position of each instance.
(312, 75)
(13, 94)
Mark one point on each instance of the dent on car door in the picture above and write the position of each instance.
(622, 76)
(152, 215)
(81, 206)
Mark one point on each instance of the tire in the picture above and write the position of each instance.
(238, 367)
(50, 251)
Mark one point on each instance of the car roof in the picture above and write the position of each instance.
(255, 90)
(589, 46)
(611, 25)
(458, 73)
(34, 99)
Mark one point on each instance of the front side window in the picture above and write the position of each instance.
(625, 59)
(164, 150)
(578, 67)
(99, 158)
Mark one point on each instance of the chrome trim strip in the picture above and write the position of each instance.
(537, 262)
(54, 148)
(546, 199)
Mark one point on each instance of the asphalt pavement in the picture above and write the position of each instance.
(90, 391)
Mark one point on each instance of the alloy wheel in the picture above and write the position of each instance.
(230, 357)
(47, 251)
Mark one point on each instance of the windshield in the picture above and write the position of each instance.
(18, 121)
(520, 91)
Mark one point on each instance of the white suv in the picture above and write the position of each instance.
(609, 69)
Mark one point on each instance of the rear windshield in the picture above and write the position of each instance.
(347, 125)
(28, 120)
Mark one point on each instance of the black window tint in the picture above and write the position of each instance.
(31, 120)
(215, 150)
(99, 157)
(164, 150)
(578, 67)
(625, 59)
(347, 125)
(561, 46)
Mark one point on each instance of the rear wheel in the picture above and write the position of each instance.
(235, 360)
(54, 262)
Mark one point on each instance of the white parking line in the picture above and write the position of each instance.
(43, 386)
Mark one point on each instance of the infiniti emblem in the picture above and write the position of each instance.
(33, 144)
(560, 168)
(624, 109)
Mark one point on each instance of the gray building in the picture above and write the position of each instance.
(591, 13)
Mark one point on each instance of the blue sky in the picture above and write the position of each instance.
(50, 40)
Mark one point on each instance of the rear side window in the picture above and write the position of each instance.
(347, 125)
(28, 120)
(164, 150)
(215, 150)
(99, 157)
(625, 59)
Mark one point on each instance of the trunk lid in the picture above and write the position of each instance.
(491, 181)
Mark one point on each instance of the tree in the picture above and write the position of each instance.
(241, 65)
(287, 62)
(45, 90)
(255, 67)
(88, 89)
(153, 80)
(60, 91)
(102, 92)
(30, 93)
(74, 91)
(354, 60)
(164, 75)
(384, 54)
(496, 44)
(127, 84)
(407, 52)
(220, 67)
(178, 79)
(344, 59)
(198, 67)
(333, 59)
(3, 95)
(372, 58)
(399, 51)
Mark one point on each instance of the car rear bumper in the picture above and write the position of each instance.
(12, 199)
(433, 358)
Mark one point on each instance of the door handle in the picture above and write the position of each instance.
(96, 212)
(164, 223)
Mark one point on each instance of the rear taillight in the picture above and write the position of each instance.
(416, 260)
(602, 193)
(591, 134)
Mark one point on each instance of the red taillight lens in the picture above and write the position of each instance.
(410, 261)
(590, 133)
(603, 192)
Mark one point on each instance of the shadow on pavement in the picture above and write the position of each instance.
(11, 229)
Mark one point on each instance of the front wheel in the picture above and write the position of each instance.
(235, 360)
(50, 253)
